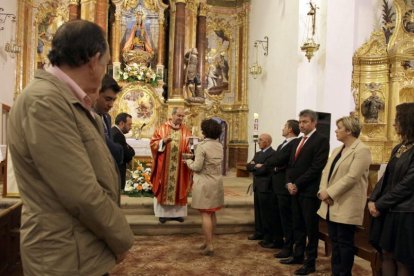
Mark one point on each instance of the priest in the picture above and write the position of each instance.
(170, 177)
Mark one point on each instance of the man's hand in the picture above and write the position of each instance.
(292, 188)
(121, 257)
(166, 140)
(258, 166)
(373, 209)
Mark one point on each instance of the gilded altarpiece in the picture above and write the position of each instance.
(223, 77)
(386, 71)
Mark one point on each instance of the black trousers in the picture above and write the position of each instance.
(264, 212)
(285, 212)
(258, 226)
(306, 227)
(343, 250)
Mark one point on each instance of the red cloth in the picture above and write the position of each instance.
(160, 165)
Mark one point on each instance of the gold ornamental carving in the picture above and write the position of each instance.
(387, 68)
(375, 47)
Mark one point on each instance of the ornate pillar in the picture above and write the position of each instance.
(101, 14)
(116, 35)
(201, 40)
(88, 8)
(161, 44)
(191, 24)
(74, 12)
(179, 37)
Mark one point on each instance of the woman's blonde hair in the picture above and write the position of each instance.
(352, 124)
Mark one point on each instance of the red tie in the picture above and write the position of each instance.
(300, 146)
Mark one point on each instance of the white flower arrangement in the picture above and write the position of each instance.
(139, 72)
(139, 183)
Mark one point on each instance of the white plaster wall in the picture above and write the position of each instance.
(272, 95)
(7, 64)
(290, 83)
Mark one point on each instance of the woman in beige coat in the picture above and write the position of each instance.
(343, 191)
(207, 191)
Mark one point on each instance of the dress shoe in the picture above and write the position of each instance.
(179, 219)
(292, 260)
(305, 270)
(162, 220)
(255, 237)
(267, 244)
(285, 253)
(202, 246)
(207, 252)
(278, 244)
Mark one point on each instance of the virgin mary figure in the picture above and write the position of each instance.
(138, 47)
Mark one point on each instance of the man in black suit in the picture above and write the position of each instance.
(262, 189)
(123, 124)
(283, 206)
(307, 160)
(104, 103)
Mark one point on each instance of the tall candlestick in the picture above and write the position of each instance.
(256, 124)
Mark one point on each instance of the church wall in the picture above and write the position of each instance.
(290, 83)
(272, 95)
(7, 64)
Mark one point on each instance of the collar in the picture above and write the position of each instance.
(263, 150)
(310, 134)
(84, 99)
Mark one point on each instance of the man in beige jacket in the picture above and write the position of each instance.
(71, 224)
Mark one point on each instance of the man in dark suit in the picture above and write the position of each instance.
(283, 206)
(107, 96)
(307, 160)
(262, 189)
(123, 124)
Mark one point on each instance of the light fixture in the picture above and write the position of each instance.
(310, 46)
(12, 47)
(3, 18)
(256, 69)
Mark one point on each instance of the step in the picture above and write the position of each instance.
(226, 224)
(237, 214)
(145, 206)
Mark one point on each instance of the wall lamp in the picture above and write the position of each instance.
(255, 70)
(3, 18)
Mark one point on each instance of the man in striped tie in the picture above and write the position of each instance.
(307, 160)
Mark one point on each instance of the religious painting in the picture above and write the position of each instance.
(50, 16)
(219, 53)
(140, 29)
(139, 102)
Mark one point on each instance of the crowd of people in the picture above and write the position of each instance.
(297, 183)
(70, 185)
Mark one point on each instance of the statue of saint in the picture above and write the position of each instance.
(138, 48)
(191, 76)
(371, 107)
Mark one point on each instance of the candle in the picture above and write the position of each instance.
(256, 124)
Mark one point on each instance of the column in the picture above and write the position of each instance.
(179, 37)
(74, 10)
(201, 40)
(101, 14)
(116, 35)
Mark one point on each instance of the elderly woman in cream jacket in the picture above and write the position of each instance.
(207, 191)
(343, 191)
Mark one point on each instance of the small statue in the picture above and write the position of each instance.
(138, 48)
(192, 78)
(371, 107)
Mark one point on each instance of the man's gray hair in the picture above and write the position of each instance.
(309, 113)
